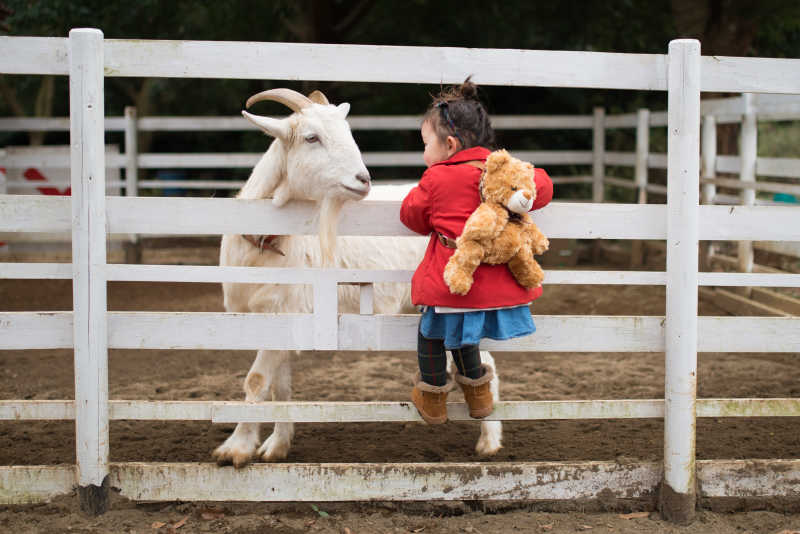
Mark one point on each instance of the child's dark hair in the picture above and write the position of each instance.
(458, 112)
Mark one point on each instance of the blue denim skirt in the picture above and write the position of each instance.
(468, 328)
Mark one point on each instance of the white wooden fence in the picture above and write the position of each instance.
(92, 330)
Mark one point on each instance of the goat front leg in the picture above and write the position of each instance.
(276, 446)
(491, 438)
(240, 447)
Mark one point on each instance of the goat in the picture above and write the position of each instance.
(313, 157)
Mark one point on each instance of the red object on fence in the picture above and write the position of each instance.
(35, 176)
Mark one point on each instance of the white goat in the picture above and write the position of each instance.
(313, 157)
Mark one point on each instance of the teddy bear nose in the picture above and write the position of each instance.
(527, 195)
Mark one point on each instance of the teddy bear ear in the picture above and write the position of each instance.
(497, 159)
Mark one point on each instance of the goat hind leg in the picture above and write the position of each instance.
(276, 446)
(240, 447)
(491, 438)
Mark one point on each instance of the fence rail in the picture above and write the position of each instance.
(91, 330)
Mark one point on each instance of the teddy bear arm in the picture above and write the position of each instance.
(526, 269)
(482, 224)
(539, 241)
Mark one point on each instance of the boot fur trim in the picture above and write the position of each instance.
(424, 386)
(488, 375)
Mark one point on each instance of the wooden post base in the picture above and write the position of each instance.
(94, 499)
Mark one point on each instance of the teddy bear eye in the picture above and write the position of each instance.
(513, 188)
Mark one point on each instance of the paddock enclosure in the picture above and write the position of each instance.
(678, 332)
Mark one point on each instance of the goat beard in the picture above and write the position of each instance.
(328, 225)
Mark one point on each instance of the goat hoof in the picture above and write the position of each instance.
(274, 449)
(227, 454)
(491, 438)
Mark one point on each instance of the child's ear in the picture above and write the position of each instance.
(453, 145)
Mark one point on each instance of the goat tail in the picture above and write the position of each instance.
(328, 226)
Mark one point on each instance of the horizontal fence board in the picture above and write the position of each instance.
(231, 331)
(748, 334)
(34, 55)
(352, 412)
(748, 407)
(152, 215)
(167, 123)
(275, 275)
(35, 330)
(53, 124)
(177, 216)
(748, 478)
(386, 64)
(162, 410)
(395, 482)
(386, 411)
(30, 484)
(37, 410)
(620, 158)
(35, 213)
(599, 334)
(35, 271)
(771, 187)
(749, 75)
(777, 167)
(443, 481)
(748, 279)
(755, 223)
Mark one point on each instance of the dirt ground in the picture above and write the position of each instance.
(218, 375)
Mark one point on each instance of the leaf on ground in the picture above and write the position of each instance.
(634, 515)
(420, 529)
(546, 527)
(180, 523)
(585, 527)
(158, 524)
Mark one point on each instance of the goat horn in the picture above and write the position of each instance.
(291, 99)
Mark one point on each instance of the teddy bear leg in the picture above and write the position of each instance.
(526, 269)
(461, 266)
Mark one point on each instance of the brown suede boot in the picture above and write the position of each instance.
(431, 401)
(477, 393)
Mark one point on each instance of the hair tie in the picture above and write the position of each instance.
(443, 107)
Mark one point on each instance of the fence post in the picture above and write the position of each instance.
(678, 491)
(748, 150)
(708, 150)
(598, 154)
(87, 160)
(133, 250)
(642, 153)
(4, 248)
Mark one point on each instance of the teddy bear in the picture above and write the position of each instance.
(500, 229)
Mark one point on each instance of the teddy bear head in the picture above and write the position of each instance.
(509, 182)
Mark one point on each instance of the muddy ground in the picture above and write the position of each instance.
(217, 375)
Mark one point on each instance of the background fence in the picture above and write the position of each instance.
(682, 222)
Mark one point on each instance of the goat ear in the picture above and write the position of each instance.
(344, 109)
(318, 98)
(278, 128)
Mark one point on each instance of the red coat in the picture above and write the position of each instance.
(445, 197)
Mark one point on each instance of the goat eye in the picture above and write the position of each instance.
(312, 138)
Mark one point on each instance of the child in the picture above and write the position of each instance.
(457, 135)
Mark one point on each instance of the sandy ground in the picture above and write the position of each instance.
(194, 375)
